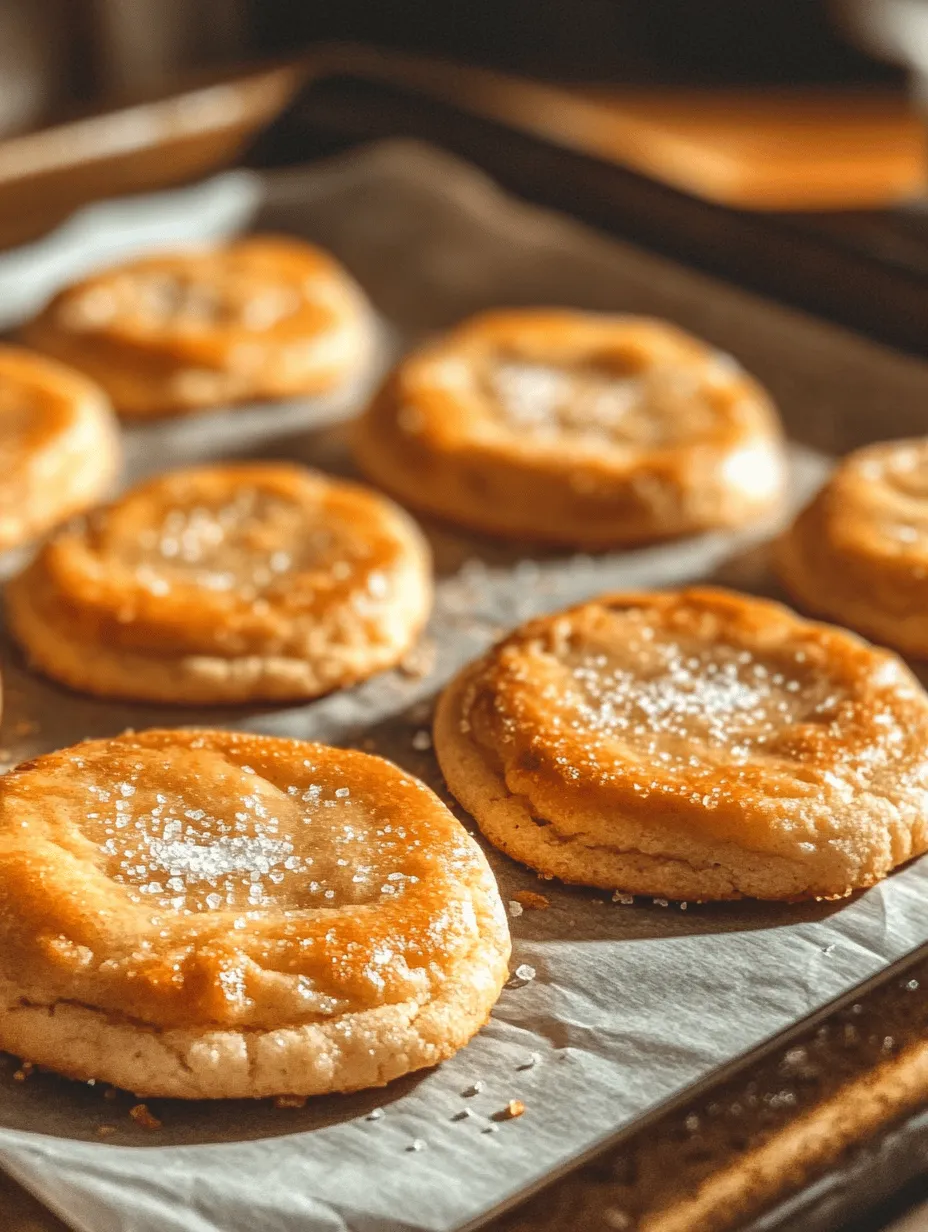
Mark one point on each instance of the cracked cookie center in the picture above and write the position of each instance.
(191, 833)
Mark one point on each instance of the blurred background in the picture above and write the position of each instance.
(56, 55)
(780, 143)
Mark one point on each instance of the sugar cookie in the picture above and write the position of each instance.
(228, 583)
(59, 445)
(263, 317)
(574, 428)
(691, 745)
(210, 915)
(858, 553)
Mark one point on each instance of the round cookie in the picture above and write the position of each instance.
(574, 428)
(208, 915)
(59, 445)
(228, 583)
(262, 317)
(691, 745)
(858, 553)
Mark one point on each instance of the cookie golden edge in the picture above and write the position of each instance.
(350, 1052)
(507, 497)
(93, 667)
(141, 389)
(699, 869)
(820, 586)
(88, 459)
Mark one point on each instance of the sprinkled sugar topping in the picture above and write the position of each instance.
(251, 543)
(185, 301)
(596, 406)
(308, 846)
(677, 699)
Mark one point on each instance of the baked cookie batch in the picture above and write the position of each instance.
(208, 914)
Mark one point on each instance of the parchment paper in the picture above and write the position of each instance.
(629, 1004)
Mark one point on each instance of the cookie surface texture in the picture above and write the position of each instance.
(260, 318)
(217, 915)
(858, 553)
(59, 445)
(229, 583)
(574, 428)
(691, 745)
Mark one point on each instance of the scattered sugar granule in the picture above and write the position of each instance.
(619, 896)
(515, 909)
(290, 1101)
(491, 1129)
(661, 902)
(524, 973)
(417, 1144)
(421, 741)
(532, 901)
(534, 1058)
(143, 1116)
(474, 1089)
(375, 1114)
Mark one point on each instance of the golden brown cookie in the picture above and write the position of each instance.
(574, 428)
(251, 581)
(691, 745)
(858, 553)
(262, 317)
(214, 915)
(59, 445)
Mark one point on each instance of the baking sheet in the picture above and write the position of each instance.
(629, 1004)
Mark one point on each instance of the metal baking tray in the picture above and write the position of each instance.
(630, 1005)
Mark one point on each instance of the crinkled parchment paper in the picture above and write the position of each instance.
(628, 1004)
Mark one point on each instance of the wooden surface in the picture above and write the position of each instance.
(46, 175)
(795, 149)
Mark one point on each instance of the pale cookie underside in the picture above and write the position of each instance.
(348, 1053)
(108, 671)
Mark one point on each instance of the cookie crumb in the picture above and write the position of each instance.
(532, 901)
(375, 1114)
(515, 909)
(464, 1115)
(290, 1101)
(142, 1115)
(105, 1131)
(661, 902)
(25, 1071)
(515, 1108)
(621, 897)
